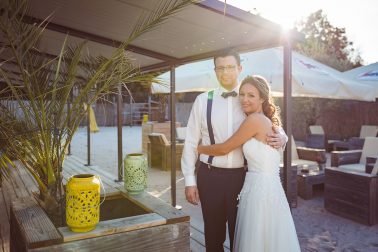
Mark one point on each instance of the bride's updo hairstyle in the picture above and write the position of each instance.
(269, 108)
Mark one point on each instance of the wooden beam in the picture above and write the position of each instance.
(246, 17)
(237, 14)
(29, 216)
(4, 221)
(13, 63)
(174, 237)
(115, 226)
(164, 66)
(98, 39)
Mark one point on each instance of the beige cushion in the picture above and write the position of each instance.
(370, 149)
(357, 167)
(375, 169)
(158, 138)
(294, 156)
(181, 133)
(316, 129)
(333, 141)
(368, 131)
(301, 162)
(294, 153)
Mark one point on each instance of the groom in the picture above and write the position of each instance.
(215, 116)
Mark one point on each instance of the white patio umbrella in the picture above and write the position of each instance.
(309, 77)
(193, 77)
(367, 75)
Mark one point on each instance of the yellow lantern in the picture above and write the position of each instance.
(83, 202)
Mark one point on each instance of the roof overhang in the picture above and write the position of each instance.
(197, 32)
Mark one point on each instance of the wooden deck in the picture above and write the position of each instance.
(23, 185)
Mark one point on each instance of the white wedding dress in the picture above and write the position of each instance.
(264, 221)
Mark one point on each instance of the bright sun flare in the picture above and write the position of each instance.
(284, 13)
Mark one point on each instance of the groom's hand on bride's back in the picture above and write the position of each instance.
(278, 138)
(191, 193)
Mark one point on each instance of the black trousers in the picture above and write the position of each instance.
(218, 191)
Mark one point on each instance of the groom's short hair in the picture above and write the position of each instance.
(228, 52)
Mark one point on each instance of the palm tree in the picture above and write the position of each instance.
(35, 125)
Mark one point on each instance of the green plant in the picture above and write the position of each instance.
(36, 125)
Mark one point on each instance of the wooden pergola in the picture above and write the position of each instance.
(198, 32)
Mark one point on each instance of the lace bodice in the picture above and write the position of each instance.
(261, 157)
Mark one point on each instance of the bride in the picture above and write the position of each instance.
(264, 221)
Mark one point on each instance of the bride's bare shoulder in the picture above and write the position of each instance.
(259, 118)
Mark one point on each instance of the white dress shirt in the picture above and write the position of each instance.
(226, 118)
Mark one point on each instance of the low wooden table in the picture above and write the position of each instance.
(306, 181)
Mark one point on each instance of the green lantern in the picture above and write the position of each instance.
(135, 173)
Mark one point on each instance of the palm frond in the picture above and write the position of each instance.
(35, 123)
(162, 11)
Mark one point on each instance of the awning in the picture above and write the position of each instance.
(195, 33)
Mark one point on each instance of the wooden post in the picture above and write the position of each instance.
(149, 107)
(131, 110)
(88, 137)
(173, 136)
(69, 119)
(30, 227)
(119, 133)
(287, 115)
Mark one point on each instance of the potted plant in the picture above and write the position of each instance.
(36, 125)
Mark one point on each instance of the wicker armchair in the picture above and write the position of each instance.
(356, 143)
(355, 160)
(351, 189)
(352, 195)
(159, 152)
(307, 156)
(315, 140)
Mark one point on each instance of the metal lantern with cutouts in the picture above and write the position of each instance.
(135, 173)
(83, 202)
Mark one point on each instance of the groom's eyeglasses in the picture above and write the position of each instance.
(229, 68)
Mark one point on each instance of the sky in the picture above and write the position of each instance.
(359, 18)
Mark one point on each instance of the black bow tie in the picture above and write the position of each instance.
(227, 94)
